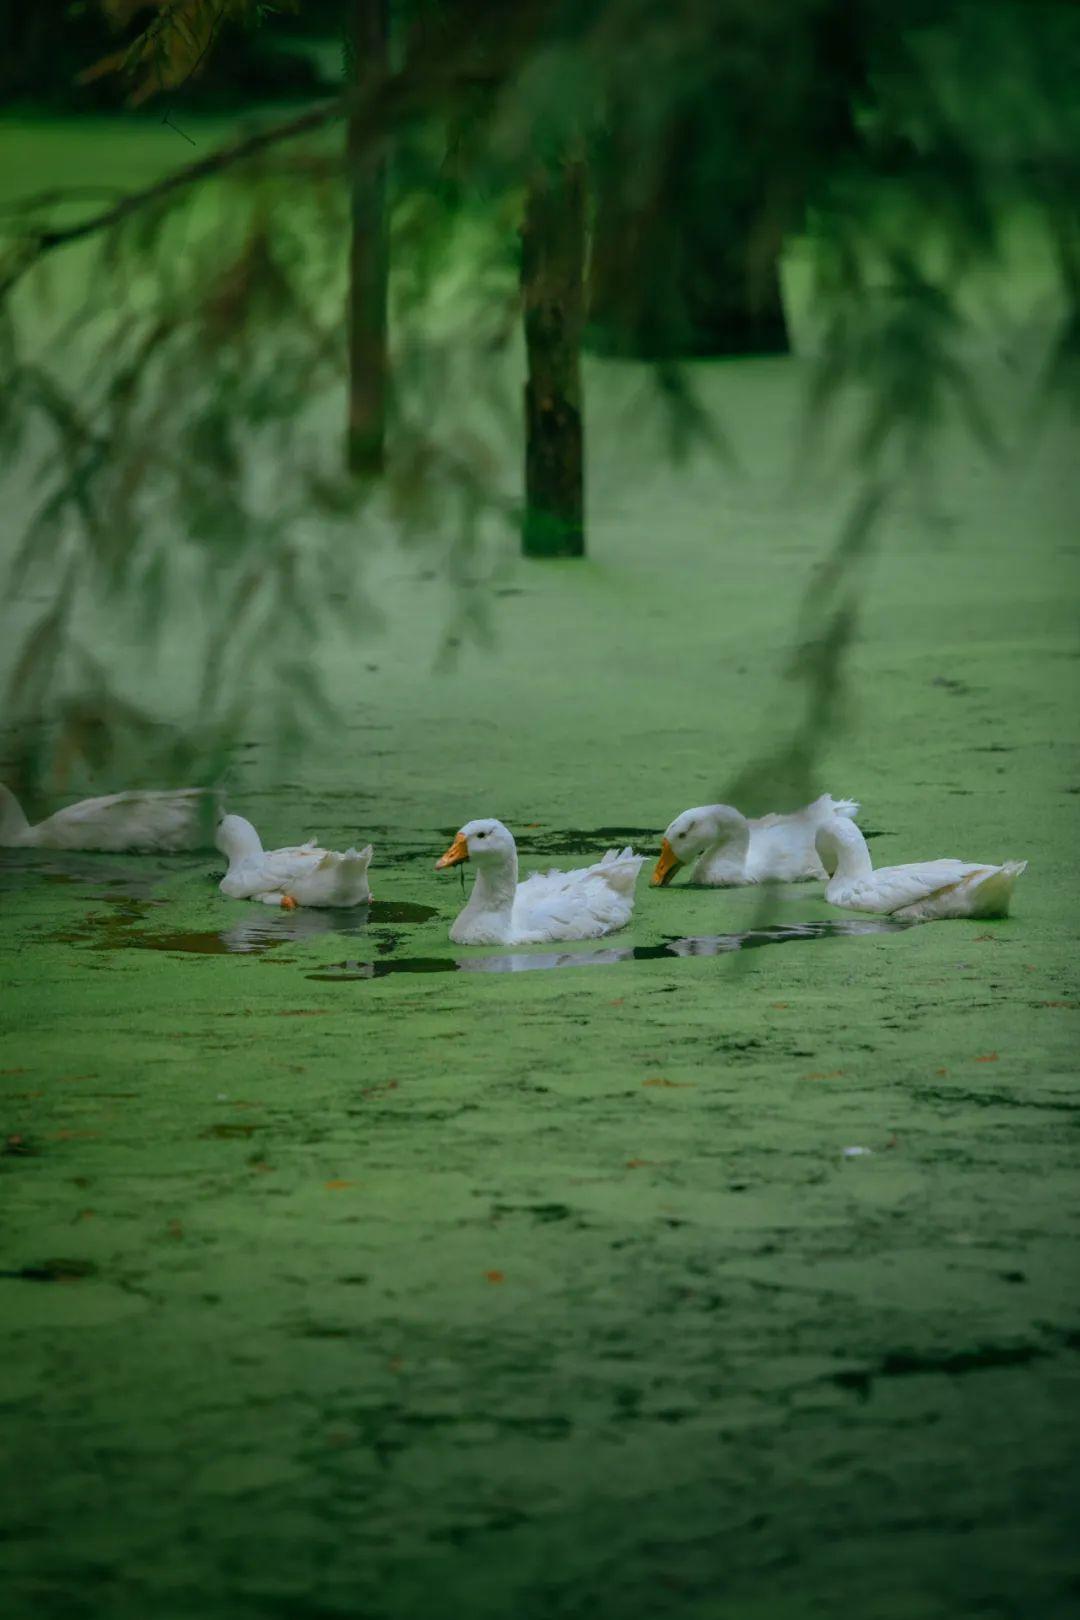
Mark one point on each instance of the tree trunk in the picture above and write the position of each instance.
(369, 371)
(553, 296)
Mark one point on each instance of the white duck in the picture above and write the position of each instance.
(144, 821)
(303, 875)
(922, 892)
(583, 904)
(728, 850)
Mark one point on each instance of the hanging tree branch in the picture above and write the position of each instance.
(33, 247)
(438, 69)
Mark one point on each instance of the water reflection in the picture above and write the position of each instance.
(692, 945)
(261, 929)
(255, 929)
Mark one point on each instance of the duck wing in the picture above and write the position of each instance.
(335, 879)
(782, 846)
(976, 891)
(812, 816)
(894, 888)
(580, 904)
(273, 871)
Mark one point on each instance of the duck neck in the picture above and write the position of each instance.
(247, 844)
(726, 857)
(495, 886)
(13, 824)
(853, 863)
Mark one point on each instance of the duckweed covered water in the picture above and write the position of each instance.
(556, 1294)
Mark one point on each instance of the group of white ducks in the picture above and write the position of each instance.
(720, 846)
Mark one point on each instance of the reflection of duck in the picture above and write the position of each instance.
(728, 850)
(303, 875)
(925, 891)
(692, 945)
(154, 820)
(583, 904)
(259, 930)
(525, 962)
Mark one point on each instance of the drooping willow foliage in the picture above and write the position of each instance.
(175, 359)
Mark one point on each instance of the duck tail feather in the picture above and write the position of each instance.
(826, 807)
(993, 891)
(621, 874)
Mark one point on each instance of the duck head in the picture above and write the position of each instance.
(488, 843)
(708, 827)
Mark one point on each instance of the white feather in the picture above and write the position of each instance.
(304, 873)
(727, 850)
(146, 821)
(924, 891)
(581, 904)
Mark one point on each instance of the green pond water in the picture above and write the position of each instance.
(327, 1290)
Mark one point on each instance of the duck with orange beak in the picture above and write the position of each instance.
(725, 850)
(582, 904)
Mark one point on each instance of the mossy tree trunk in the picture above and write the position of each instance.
(553, 298)
(369, 370)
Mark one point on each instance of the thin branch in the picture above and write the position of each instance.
(225, 157)
(435, 69)
(57, 194)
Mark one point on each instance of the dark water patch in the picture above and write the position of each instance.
(904, 1363)
(530, 961)
(194, 944)
(544, 1214)
(951, 1363)
(389, 911)
(335, 971)
(61, 1271)
(587, 842)
(956, 1098)
(19, 1147)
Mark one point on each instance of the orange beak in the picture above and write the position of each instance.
(666, 866)
(458, 852)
